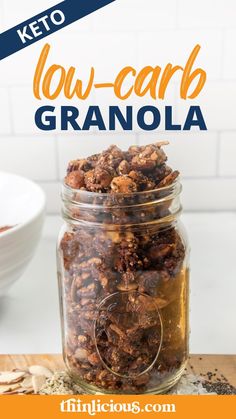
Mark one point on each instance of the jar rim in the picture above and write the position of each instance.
(94, 208)
(70, 192)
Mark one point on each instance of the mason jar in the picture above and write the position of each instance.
(123, 269)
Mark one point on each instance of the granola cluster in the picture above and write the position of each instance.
(124, 283)
(116, 171)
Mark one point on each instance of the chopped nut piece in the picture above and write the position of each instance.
(162, 143)
(81, 354)
(143, 182)
(94, 359)
(148, 159)
(168, 180)
(75, 179)
(111, 157)
(82, 339)
(123, 184)
(160, 251)
(103, 176)
(124, 168)
(90, 181)
(79, 165)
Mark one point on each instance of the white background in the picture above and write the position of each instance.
(138, 33)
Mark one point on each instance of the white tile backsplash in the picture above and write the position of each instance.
(107, 54)
(18, 69)
(33, 157)
(178, 45)
(72, 147)
(53, 195)
(1, 20)
(17, 11)
(111, 53)
(135, 15)
(194, 154)
(229, 57)
(210, 13)
(209, 194)
(125, 33)
(5, 121)
(218, 103)
(23, 110)
(227, 163)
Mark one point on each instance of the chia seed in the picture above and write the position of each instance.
(219, 387)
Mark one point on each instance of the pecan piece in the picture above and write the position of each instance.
(75, 179)
(103, 177)
(169, 179)
(94, 359)
(124, 168)
(150, 157)
(75, 165)
(123, 184)
(143, 182)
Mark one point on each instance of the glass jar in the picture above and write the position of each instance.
(124, 290)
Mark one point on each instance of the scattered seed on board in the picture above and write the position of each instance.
(40, 380)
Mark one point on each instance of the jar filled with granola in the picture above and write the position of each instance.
(123, 272)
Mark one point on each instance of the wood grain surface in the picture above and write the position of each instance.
(198, 364)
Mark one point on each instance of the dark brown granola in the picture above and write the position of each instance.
(124, 277)
(115, 171)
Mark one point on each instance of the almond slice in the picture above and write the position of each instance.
(8, 388)
(38, 382)
(19, 391)
(40, 370)
(8, 377)
(162, 143)
(81, 354)
(25, 370)
(27, 382)
(29, 391)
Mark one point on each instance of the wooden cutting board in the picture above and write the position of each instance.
(221, 365)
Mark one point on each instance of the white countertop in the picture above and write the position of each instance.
(29, 314)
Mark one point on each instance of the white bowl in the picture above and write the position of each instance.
(22, 205)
